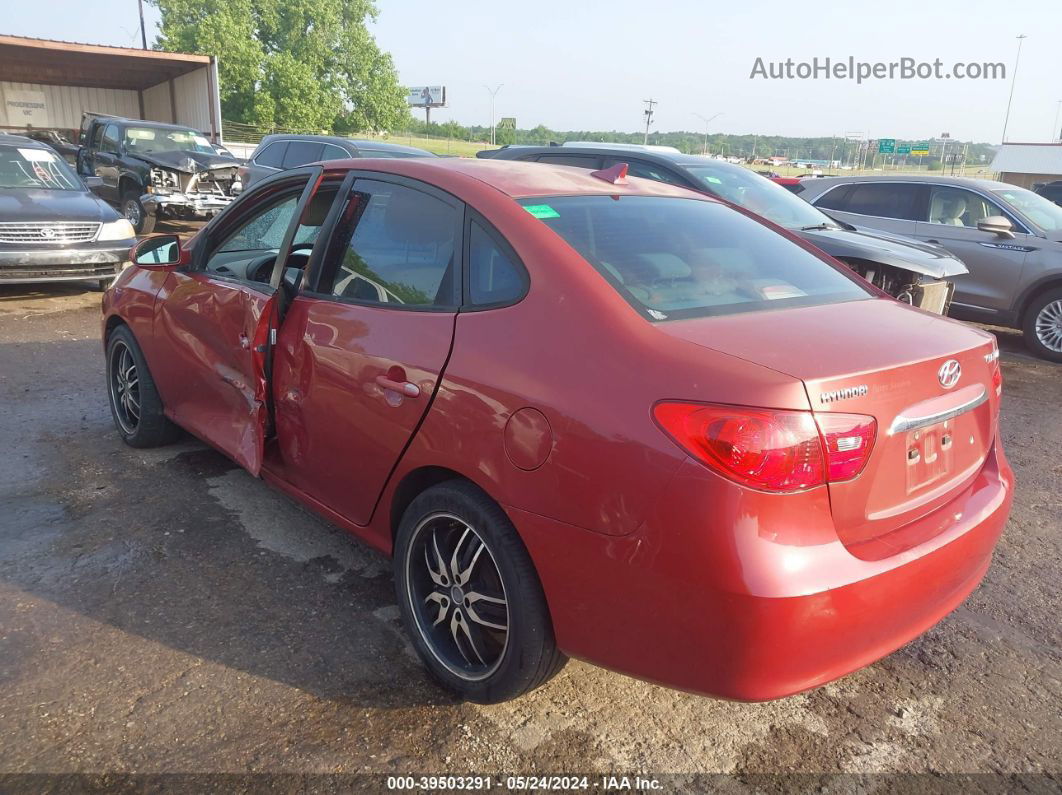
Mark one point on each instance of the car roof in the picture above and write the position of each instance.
(515, 179)
(23, 141)
(967, 182)
(341, 141)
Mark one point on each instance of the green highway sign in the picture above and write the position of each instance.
(920, 148)
(903, 150)
(886, 146)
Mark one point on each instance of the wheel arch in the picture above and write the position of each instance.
(1032, 292)
(113, 322)
(416, 482)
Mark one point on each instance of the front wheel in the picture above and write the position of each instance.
(470, 596)
(135, 403)
(1042, 325)
(133, 209)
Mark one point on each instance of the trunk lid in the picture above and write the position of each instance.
(881, 359)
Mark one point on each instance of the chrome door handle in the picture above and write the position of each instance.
(401, 387)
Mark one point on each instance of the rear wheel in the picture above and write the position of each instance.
(135, 404)
(1042, 326)
(470, 596)
(133, 209)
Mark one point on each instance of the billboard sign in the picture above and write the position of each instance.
(426, 96)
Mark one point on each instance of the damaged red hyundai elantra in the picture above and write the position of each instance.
(586, 416)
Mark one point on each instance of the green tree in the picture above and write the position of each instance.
(297, 64)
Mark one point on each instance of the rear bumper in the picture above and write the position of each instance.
(69, 264)
(739, 598)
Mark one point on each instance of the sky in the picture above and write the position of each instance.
(589, 65)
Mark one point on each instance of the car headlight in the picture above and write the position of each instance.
(117, 230)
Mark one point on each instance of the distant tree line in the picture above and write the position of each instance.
(744, 146)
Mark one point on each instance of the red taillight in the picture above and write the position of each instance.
(848, 439)
(768, 449)
(997, 372)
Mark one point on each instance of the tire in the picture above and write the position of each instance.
(484, 651)
(143, 222)
(1042, 325)
(138, 417)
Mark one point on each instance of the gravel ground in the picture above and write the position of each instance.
(164, 612)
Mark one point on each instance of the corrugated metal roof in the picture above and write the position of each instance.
(1028, 159)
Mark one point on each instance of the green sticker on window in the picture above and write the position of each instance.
(541, 211)
(714, 180)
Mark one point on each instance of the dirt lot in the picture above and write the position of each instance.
(162, 611)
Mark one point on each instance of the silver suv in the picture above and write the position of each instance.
(1009, 238)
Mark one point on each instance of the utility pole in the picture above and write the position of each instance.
(1013, 80)
(1056, 134)
(648, 117)
(492, 95)
(704, 149)
(143, 30)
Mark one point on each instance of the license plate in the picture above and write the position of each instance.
(930, 452)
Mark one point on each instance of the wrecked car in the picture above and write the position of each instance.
(153, 171)
(911, 271)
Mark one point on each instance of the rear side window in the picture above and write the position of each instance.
(402, 251)
(273, 155)
(674, 258)
(302, 152)
(883, 200)
(493, 276)
(641, 168)
(333, 152)
(834, 199)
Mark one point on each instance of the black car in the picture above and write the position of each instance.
(909, 270)
(1052, 191)
(52, 228)
(156, 171)
(279, 152)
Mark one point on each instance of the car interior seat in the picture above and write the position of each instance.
(947, 209)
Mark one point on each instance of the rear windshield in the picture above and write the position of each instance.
(676, 258)
(32, 167)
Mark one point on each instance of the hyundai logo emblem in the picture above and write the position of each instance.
(949, 373)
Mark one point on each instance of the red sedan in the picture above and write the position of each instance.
(586, 416)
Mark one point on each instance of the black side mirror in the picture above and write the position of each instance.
(92, 182)
(158, 253)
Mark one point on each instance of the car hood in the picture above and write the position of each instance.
(188, 162)
(27, 205)
(888, 249)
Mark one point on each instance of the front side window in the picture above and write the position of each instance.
(645, 170)
(264, 230)
(31, 167)
(958, 207)
(402, 250)
(675, 258)
(110, 140)
(1045, 214)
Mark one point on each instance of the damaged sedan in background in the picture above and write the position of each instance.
(154, 171)
(909, 270)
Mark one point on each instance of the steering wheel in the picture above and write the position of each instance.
(261, 269)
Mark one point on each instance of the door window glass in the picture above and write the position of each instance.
(333, 152)
(884, 200)
(110, 140)
(264, 230)
(493, 277)
(402, 250)
(302, 152)
(272, 155)
(835, 199)
(958, 207)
